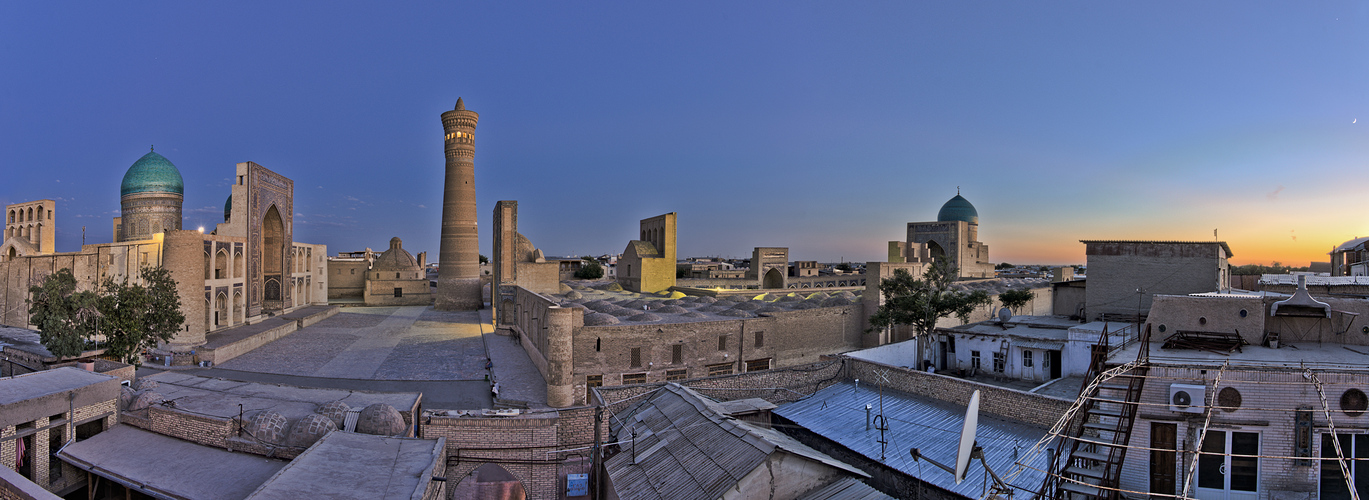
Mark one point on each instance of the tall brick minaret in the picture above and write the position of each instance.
(458, 278)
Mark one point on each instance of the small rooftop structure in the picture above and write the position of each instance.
(31, 395)
(677, 444)
(215, 397)
(345, 465)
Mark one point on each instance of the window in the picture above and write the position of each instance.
(592, 381)
(950, 343)
(756, 365)
(634, 378)
(1218, 470)
(677, 354)
(396, 275)
(1355, 447)
(722, 342)
(998, 362)
(974, 360)
(354, 271)
(56, 436)
(719, 369)
(1026, 358)
(636, 357)
(760, 340)
(676, 374)
(399, 292)
(91, 428)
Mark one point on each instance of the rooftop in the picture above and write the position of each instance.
(683, 447)
(1289, 356)
(38, 384)
(166, 467)
(838, 413)
(345, 465)
(604, 307)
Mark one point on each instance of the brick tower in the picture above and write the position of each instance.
(458, 279)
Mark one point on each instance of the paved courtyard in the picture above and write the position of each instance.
(378, 343)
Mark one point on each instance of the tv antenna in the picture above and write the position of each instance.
(968, 450)
(882, 423)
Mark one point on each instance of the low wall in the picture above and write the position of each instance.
(528, 446)
(124, 371)
(781, 385)
(232, 350)
(1007, 403)
(16, 487)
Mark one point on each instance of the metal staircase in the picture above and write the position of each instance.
(1097, 437)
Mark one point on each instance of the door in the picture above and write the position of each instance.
(1162, 457)
(1222, 476)
(1053, 358)
(943, 356)
(1333, 483)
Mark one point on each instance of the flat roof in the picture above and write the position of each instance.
(1337, 357)
(838, 413)
(362, 466)
(166, 467)
(38, 384)
(220, 398)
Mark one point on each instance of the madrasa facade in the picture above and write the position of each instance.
(246, 269)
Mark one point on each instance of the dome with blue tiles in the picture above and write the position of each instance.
(152, 173)
(228, 208)
(958, 209)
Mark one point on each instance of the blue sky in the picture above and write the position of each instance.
(823, 127)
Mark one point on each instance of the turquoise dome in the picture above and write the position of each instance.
(958, 209)
(152, 173)
(228, 208)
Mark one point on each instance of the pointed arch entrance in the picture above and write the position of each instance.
(773, 279)
(272, 259)
(489, 482)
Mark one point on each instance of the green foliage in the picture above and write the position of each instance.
(921, 302)
(681, 272)
(137, 316)
(1003, 265)
(65, 318)
(1015, 299)
(484, 259)
(844, 267)
(590, 270)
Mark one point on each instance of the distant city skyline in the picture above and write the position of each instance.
(822, 128)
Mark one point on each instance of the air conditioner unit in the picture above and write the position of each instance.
(1187, 398)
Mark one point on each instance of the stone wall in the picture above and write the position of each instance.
(347, 278)
(232, 350)
(16, 487)
(1116, 269)
(776, 340)
(776, 386)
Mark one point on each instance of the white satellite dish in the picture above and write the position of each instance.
(962, 457)
(1004, 315)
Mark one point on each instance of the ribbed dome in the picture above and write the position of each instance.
(395, 259)
(152, 173)
(228, 208)
(958, 209)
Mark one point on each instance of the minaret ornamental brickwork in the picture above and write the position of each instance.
(458, 280)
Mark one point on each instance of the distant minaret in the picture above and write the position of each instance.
(458, 278)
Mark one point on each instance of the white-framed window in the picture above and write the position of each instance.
(1026, 358)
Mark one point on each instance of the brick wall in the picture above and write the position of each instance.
(530, 447)
(15, 487)
(777, 386)
(1000, 401)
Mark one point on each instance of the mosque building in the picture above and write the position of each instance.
(953, 236)
(245, 270)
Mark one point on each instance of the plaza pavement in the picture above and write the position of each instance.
(442, 354)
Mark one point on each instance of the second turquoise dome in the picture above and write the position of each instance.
(152, 173)
(958, 209)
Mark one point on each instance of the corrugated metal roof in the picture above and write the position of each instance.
(679, 446)
(838, 413)
(1312, 280)
(848, 488)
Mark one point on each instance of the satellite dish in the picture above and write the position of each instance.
(962, 457)
(1004, 315)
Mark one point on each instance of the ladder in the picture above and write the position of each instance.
(1097, 438)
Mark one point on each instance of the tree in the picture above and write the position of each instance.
(921, 302)
(1015, 299)
(844, 267)
(484, 259)
(1003, 265)
(137, 316)
(65, 318)
(590, 270)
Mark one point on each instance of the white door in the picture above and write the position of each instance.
(1222, 476)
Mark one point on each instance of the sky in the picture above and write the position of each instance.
(824, 127)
